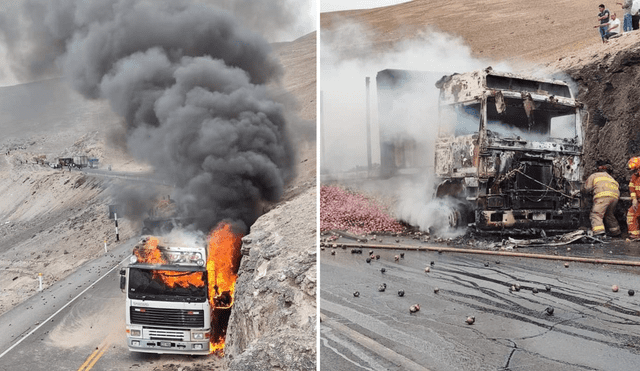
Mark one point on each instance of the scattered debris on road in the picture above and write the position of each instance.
(471, 320)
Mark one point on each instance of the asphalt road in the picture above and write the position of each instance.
(76, 324)
(592, 327)
(60, 327)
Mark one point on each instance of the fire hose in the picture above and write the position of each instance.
(495, 253)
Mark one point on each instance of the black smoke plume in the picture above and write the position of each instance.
(190, 84)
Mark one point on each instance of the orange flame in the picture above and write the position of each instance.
(150, 253)
(182, 279)
(222, 267)
(217, 348)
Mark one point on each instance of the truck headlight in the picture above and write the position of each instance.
(136, 333)
(197, 335)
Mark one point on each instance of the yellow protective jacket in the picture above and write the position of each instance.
(634, 186)
(602, 184)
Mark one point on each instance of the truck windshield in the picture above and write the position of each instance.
(167, 285)
(543, 121)
(459, 119)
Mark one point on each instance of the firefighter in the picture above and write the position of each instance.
(605, 198)
(634, 191)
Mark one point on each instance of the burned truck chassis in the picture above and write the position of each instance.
(524, 200)
(509, 164)
(514, 203)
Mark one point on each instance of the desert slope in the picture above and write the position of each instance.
(519, 30)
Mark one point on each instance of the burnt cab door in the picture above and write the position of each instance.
(458, 137)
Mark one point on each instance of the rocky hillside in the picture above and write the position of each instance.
(608, 80)
(273, 321)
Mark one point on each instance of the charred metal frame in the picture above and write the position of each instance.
(509, 181)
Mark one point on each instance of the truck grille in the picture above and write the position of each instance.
(543, 173)
(156, 334)
(167, 317)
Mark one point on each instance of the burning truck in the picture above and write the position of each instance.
(179, 298)
(509, 152)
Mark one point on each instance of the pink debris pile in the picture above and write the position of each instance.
(345, 210)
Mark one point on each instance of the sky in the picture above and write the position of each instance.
(335, 5)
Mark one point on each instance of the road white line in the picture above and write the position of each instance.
(402, 361)
(63, 307)
(326, 336)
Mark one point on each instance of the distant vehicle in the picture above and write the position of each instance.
(93, 163)
(65, 161)
(80, 161)
(76, 162)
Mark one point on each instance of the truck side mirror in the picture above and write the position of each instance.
(123, 278)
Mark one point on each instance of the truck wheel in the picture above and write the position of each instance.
(459, 213)
(454, 218)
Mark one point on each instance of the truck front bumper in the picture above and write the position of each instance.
(549, 220)
(168, 346)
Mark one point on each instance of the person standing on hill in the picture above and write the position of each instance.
(634, 191)
(603, 17)
(635, 16)
(605, 198)
(613, 28)
(626, 20)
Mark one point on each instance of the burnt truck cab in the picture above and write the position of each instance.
(509, 151)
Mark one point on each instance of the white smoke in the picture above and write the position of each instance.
(348, 55)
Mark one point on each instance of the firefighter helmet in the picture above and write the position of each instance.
(607, 168)
(634, 163)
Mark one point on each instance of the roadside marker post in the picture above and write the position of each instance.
(115, 215)
(105, 246)
(40, 281)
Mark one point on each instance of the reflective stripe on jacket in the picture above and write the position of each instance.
(603, 185)
(634, 185)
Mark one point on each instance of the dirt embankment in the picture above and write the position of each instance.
(607, 77)
(608, 83)
(524, 31)
(51, 222)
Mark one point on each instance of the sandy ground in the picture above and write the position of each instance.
(51, 221)
(513, 31)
